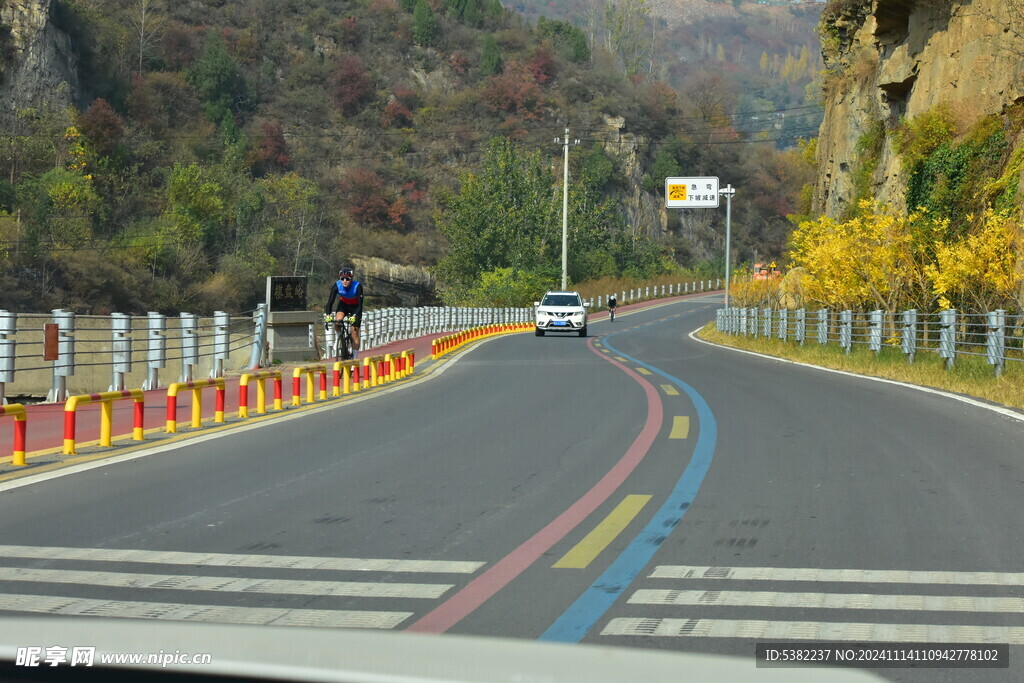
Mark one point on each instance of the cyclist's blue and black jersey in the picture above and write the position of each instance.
(347, 299)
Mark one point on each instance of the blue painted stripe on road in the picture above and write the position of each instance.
(581, 616)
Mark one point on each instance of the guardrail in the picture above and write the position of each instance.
(17, 411)
(196, 387)
(995, 336)
(442, 345)
(106, 400)
(261, 391)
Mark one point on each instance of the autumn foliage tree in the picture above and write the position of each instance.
(368, 203)
(351, 86)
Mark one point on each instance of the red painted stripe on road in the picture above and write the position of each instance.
(479, 590)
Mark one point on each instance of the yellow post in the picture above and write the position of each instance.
(405, 363)
(197, 407)
(261, 395)
(367, 369)
(390, 367)
(106, 421)
(310, 388)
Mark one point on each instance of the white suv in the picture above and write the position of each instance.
(561, 312)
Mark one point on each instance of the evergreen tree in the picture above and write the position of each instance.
(490, 56)
(425, 28)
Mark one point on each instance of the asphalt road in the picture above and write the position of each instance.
(635, 488)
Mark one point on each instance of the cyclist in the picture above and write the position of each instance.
(347, 298)
(612, 303)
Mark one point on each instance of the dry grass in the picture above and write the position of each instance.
(971, 375)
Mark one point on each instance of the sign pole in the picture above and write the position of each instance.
(565, 212)
(729, 191)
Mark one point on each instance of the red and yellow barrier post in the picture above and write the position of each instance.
(196, 387)
(17, 411)
(106, 400)
(261, 391)
(308, 371)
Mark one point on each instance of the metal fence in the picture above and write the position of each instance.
(994, 336)
(96, 353)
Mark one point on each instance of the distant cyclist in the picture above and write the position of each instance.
(612, 304)
(346, 299)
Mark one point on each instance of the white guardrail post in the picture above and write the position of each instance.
(120, 349)
(64, 366)
(846, 330)
(995, 342)
(909, 334)
(801, 326)
(875, 331)
(947, 337)
(259, 337)
(156, 349)
(823, 326)
(189, 346)
(8, 326)
(221, 342)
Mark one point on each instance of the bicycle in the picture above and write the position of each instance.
(341, 348)
(611, 314)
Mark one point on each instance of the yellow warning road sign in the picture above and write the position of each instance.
(677, 192)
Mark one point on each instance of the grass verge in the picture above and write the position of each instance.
(970, 376)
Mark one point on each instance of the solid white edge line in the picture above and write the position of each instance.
(1002, 410)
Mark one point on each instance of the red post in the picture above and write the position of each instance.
(69, 425)
(296, 386)
(278, 390)
(172, 409)
(219, 404)
(323, 382)
(20, 433)
(243, 398)
(140, 418)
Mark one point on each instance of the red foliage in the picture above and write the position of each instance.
(542, 66)
(459, 62)
(367, 203)
(396, 114)
(514, 90)
(271, 148)
(101, 126)
(349, 30)
(413, 195)
(178, 46)
(352, 88)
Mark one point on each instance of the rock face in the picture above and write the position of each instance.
(390, 284)
(645, 212)
(40, 63)
(892, 59)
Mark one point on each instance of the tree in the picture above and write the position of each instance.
(352, 88)
(101, 126)
(147, 26)
(504, 217)
(218, 81)
(425, 27)
(490, 56)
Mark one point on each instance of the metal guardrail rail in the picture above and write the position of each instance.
(174, 349)
(994, 336)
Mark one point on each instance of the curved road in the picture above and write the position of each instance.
(635, 488)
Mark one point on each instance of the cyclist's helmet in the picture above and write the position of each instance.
(345, 272)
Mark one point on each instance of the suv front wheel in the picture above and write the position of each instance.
(583, 331)
(539, 332)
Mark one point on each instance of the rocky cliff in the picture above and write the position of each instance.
(891, 60)
(39, 63)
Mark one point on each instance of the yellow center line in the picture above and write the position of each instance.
(669, 389)
(584, 552)
(680, 427)
(621, 359)
(643, 371)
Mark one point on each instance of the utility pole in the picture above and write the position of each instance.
(565, 205)
(728, 193)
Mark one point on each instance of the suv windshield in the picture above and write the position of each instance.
(561, 300)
